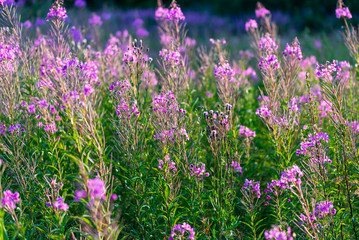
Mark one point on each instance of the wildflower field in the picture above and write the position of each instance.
(137, 125)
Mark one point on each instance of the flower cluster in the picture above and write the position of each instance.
(218, 122)
(269, 62)
(276, 233)
(224, 71)
(354, 126)
(89, 71)
(268, 44)
(2, 129)
(294, 106)
(236, 167)
(10, 200)
(95, 20)
(172, 58)
(60, 204)
(326, 71)
(199, 170)
(96, 190)
(246, 132)
(291, 176)
(312, 147)
(251, 24)
(263, 112)
(57, 12)
(304, 218)
(323, 208)
(182, 231)
(275, 187)
(168, 118)
(293, 50)
(13, 129)
(261, 12)
(126, 110)
(174, 14)
(8, 55)
(167, 165)
(165, 103)
(250, 185)
(343, 12)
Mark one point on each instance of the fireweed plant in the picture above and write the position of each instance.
(104, 138)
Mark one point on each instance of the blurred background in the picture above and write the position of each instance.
(312, 21)
(312, 14)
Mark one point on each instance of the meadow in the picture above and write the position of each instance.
(155, 124)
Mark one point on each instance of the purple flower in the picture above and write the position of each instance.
(277, 234)
(2, 129)
(10, 199)
(59, 204)
(15, 129)
(293, 105)
(184, 231)
(114, 197)
(58, 12)
(343, 12)
(293, 50)
(42, 103)
(80, 3)
(76, 34)
(251, 24)
(224, 71)
(80, 194)
(323, 209)
(106, 15)
(174, 14)
(291, 176)
(167, 165)
(199, 170)
(236, 166)
(171, 57)
(190, 42)
(96, 188)
(263, 112)
(250, 185)
(95, 20)
(161, 13)
(141, 32)
(244, 131)
(183, 132)
(269, 62)
(267, 43)
(327, 71)
(27, 24)
(137, 23)
(261, 12)
(312, 147)
(124, 110)
(39, 22)
(88, 89)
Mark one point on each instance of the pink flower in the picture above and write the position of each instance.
(251, 24)
(343, 12)
(95, 20)
(261, 12)
(59, 204)
(59, 13)
(88, 89)
(184, 231)
(10, 199)
(244, 131)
